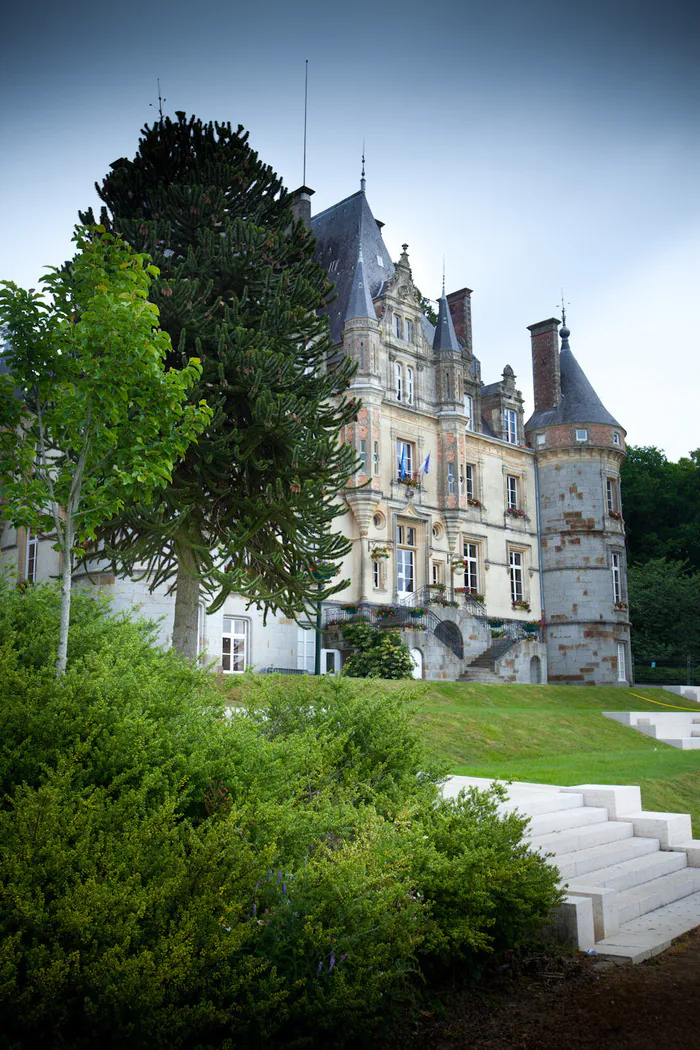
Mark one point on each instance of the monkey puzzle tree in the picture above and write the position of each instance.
(251, 506)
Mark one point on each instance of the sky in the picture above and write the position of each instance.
(534, 146)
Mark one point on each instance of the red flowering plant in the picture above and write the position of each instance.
(615, 514)
(516, 512)
(385, 612)
(471, 502)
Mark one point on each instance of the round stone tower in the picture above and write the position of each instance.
(579, 447)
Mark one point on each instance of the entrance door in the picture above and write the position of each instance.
(417, 657)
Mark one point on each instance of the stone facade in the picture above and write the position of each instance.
(481, 516)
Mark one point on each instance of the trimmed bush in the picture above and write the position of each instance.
(173, 875)
(378, 653)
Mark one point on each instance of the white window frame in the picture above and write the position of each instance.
(409, 330)
(616, 569)
(471, 567)
(398, 380)
(517, 576)
(408, 445)
(376, 574)
(398, 326)
(450, 479)
(621, 668)
(469, 411)
(409, 385)
(233, 636)
(469, 480)
(375, 457)
(616, 438)
(582, 435)
(436, 572)
(363, 456)
(31, 557)
(540, 439)
(512, 492)
(510, 425)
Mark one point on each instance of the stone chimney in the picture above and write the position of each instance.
(460, 304)
(300, 203)
(545, 363)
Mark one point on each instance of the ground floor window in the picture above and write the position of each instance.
(234, 646)
(621, 669)
(471, 566)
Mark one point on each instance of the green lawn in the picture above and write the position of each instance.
(558, 735)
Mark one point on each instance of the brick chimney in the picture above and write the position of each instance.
(460, 304)
(545, 363)
(300, 203)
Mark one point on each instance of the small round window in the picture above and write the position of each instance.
(437, 531)
(378, 520)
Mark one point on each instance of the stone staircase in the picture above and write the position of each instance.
(680, 729)
(632, 878)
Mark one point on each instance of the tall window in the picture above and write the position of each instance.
(436, 572)
(398, 380)
(32, 557)
(404, 456)
(409, 385)
(234, 646)
(363, 456)
(447, 385)
(451, 478)
(611, 492)
(469, 480)
(515, 562)
(616, 566)
(510, 425)
(398, 327)
(375, 457)
(469, 411)
(376, 574)
(471, 566)
(405, 559)
(512, 491)
(362, 356)
(409, 330)
(621, 669)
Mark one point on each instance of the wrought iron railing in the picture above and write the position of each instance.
(442, 597)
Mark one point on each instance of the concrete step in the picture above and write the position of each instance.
(587, 861)
(630, 873)
(531, 805)
(559, 842)
(639, 900)
(566, 819)
(684, 743)
(651, 933)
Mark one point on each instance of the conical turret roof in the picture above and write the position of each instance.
(445, 337)
(360, 303)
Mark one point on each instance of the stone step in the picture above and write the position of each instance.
(565, 820)
(531, 805)
(593, 859)
(630, 873)
(651, 933)
(684, 743)
(559, 842)
(656, 894)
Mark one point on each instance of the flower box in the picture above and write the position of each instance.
(379, 552)
(516, 512)
(410, 483)
(523, 605)
(414, 627)
(475, 503)
(621, 606)
(615, 514)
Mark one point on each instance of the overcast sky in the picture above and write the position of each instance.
(534, 145)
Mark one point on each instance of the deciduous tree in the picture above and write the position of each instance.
(92, 417)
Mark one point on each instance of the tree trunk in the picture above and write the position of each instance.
(66, 581)
(186, 625)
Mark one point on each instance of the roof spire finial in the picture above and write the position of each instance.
(363, 181)
(564, 331)
(161, 100)
(443, 277)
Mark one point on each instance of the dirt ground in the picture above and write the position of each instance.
(574, 1003)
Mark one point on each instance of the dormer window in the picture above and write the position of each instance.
(510, 426)
(469, 411)
(582, 435)
(398, 380)
(616, 438)
(409, 330)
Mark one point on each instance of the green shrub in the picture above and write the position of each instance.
(171, 876)
(378, 653)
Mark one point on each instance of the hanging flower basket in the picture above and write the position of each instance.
(350, 608)
(386, 612)
(495, 623)
(531, 628)
(377, 553)
(417, 612)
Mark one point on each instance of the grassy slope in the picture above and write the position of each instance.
(558, 735)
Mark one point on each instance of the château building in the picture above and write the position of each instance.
(495, 543)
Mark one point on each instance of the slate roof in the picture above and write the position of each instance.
(341, 232)
(360, 303)
(445, 335)
(579, 401)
